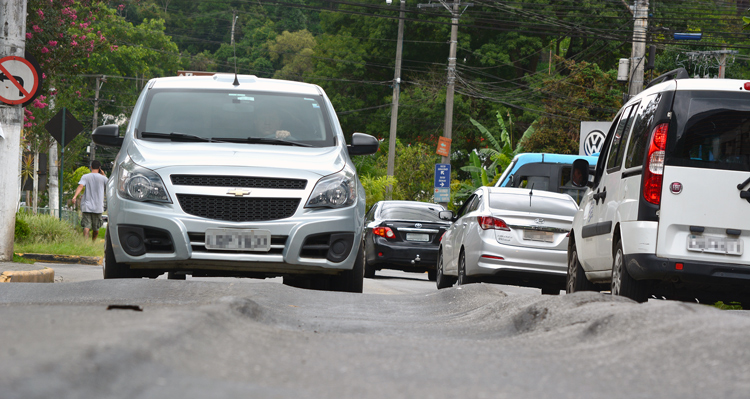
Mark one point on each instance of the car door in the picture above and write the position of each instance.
(370, 222)
(605, 197)
(454, 236)
(705, 194)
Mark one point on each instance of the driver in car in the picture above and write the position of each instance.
(268, 125)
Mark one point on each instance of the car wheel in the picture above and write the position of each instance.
(622, 283)
(463, 279)
(577, 280)
(369, 269)
(176, 276)
(441, 279)
(111, 268)
(351, 280)
(432, 275)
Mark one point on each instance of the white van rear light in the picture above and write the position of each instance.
(653, 173)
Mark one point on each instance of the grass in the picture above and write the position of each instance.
(19, 259)
(49, 235)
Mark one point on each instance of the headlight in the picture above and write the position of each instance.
(334, 191)
(140, 184)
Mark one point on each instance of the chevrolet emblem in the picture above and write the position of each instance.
(238, 192)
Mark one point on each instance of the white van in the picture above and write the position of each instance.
(668, 212)
(229, 175)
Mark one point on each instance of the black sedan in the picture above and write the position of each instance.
(403, 235)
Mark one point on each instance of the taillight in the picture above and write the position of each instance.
(383, 232)
(491, 223)
(654, 170)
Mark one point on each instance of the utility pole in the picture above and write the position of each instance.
(394, 106)
(100, 80)
(639, 47)
(450, 89)
(12, 43)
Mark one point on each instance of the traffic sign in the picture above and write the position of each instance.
(19, 80)
(442, 175)
(444, 147)
(72, 127)
(442, 194)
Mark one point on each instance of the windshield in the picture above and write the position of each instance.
(407, 212)
(713, 131)
(236, 115)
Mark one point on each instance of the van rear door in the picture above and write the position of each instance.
(705, 211)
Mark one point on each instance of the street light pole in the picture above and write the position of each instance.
(394, 106)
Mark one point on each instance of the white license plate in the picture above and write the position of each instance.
(535, 235)
(417, 237)
(714, 244)
(238, 239)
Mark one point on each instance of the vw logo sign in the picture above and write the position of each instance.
(418, 225)
(593, 142)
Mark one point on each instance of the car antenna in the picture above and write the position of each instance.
(531, 192)
(234, 48)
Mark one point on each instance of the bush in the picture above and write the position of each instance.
(45, 228)
(23, 231)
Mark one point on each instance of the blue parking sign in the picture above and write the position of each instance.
(442, 175)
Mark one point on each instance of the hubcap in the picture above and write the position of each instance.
(617, 274)
(572, 269)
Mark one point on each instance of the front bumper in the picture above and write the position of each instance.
(287, 254)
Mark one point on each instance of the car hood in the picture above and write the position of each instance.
(156, 155)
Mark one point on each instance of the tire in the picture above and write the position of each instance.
(369, 270)
(463, 279)
(441, 280)
(576, 280)
(622, 283)
(351, 280)
(176, 276)
(432, 275)
(111, 268)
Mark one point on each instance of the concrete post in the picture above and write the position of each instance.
(12, 42)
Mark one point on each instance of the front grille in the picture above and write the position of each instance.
(238, 209)
(238, 181)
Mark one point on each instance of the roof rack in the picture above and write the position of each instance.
(679, 73)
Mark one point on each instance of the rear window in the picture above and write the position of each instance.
(411, 212)
(713, 131)
(531, 203)
(237, 115)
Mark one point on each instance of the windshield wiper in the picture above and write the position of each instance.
(262, 140)
(174, 136)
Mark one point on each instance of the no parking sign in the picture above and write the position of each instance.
(20, 79)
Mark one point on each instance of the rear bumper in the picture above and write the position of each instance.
(400, 256)
(651, 267)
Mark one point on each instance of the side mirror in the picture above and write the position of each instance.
(446, 215)
(579, 173)
(107, 135)
(363, 144)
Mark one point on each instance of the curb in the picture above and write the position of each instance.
(45, 275)
(85, 260)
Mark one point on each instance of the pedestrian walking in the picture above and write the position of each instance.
(92, 200)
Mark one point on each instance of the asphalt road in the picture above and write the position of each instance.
(402, 339)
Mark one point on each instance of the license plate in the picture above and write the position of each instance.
(714, 244)
(417, 237)
(238, 239)
(535, 235)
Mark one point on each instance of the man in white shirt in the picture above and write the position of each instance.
(92, 200)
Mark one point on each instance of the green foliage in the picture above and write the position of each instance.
(72, 179)
(23, 231)
(375, 188)
(44, 228)
(586, 94)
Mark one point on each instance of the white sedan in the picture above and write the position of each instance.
(514, 236)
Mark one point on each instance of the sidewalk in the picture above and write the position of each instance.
(13, 272)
